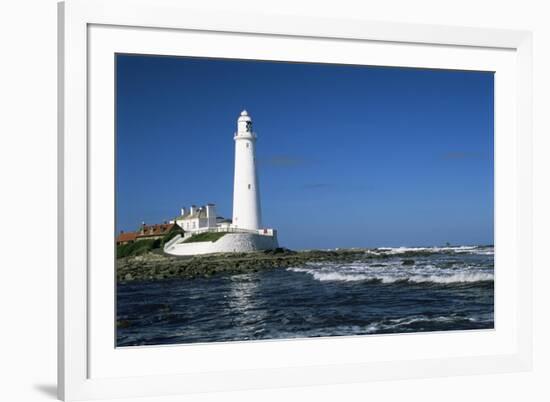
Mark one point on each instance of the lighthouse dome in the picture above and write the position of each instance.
(244, 116)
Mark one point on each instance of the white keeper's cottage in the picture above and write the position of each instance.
(194, 218)
(244, 232)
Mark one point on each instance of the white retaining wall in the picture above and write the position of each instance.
(231, 242)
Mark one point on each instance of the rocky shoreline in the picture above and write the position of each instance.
(157, 266)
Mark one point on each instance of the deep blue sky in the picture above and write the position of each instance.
(349, 156)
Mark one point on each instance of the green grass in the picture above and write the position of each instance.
(206, 236)
(144, 246)
(137, 248)
(171, 235)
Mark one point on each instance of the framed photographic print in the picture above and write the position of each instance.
(259, 201)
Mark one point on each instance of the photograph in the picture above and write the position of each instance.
(265, 200)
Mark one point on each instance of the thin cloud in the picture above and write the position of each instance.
(283, 161)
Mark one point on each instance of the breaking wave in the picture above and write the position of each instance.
(401, 324)
(476, 250)
(395, 271)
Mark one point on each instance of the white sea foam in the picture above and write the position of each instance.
(450, 249)
(394, 271)
(402, 323)
(460, 277)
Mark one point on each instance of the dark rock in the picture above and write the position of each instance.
(162, 267)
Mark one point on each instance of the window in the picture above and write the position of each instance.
(249, 186)
(247, 144)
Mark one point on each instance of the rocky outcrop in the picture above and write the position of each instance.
(159, 267)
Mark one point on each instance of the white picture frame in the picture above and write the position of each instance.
(90, 367)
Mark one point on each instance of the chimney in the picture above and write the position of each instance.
(182, 211)
(210, 211)
(193, 209)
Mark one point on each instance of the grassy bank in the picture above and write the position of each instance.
(137, 248)
(206, 236)
(141, 247)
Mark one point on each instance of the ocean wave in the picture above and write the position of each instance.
(394, 272)
(461, 277)
(400, 324)
(478, 250)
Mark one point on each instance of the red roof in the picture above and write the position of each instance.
(155, 230)
(126, 236)
(145, 231)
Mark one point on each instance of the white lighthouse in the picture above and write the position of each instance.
(246, 193)
(245, 232)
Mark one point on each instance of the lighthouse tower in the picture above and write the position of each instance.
(246, 193)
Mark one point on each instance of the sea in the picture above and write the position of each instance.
(439, 289)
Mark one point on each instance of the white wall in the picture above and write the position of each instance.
(241, 242)
(28, 180)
